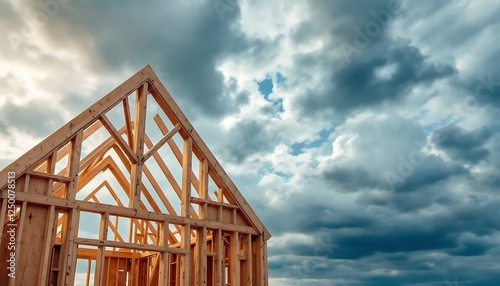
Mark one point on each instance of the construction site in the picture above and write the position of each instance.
(127, 193)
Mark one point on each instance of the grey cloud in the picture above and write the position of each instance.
(353, 83)
(35, 118)
(185, 41)
(462, 145)
(246, 139)
(356, 85)
(432, 170)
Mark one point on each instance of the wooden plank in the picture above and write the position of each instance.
(249, 261)
(47, 248)
(49, 176)
(186, 178)
(74, 164)
(260, 263)
(220, 195)
(100, 258)
(161, 142)
(201, 257)
(163, 231)
(119, 139)
(69, 248)
(203, 177)
(128, 121)
(264, 264)
(203, 189)
(199, 201)
(234, 262)
(89, 262)
(52, 161)
(219, 260)
(185, 259)
(128, 245)
(87, 253)
(139, 134)
(74, 221)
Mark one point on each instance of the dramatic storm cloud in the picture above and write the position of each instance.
(365, 134)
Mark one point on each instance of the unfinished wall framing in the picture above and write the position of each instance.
(127, 193)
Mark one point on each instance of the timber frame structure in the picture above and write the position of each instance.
(116, 197)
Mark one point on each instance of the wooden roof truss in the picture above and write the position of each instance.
(127, 193)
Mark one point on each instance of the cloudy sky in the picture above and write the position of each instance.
(365, 134)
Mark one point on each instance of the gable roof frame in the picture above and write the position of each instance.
(92, 114)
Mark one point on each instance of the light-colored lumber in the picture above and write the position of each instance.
(47, 248)
(74, 163)
(128, 123)
(139, 134)
(135, 245)
(160, 143)
(103, 235)
(234, 262)
(119, 139)
(186, 178)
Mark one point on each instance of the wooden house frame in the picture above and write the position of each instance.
(116, 197)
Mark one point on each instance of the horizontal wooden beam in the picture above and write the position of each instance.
(199, 201)
(87, 253)
(127, 245)
(56, 178)
(61, 203)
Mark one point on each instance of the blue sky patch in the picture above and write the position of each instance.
(266, 87)
(298, 148)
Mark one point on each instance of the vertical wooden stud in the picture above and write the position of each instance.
(139, 132)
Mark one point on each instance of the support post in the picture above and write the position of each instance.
(74, 164)
(201, 257)
(103, 235)
(139, 132)
(186, 177)
(219, 260)
(234, 261)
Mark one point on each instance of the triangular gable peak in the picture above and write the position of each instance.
(133, 164)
